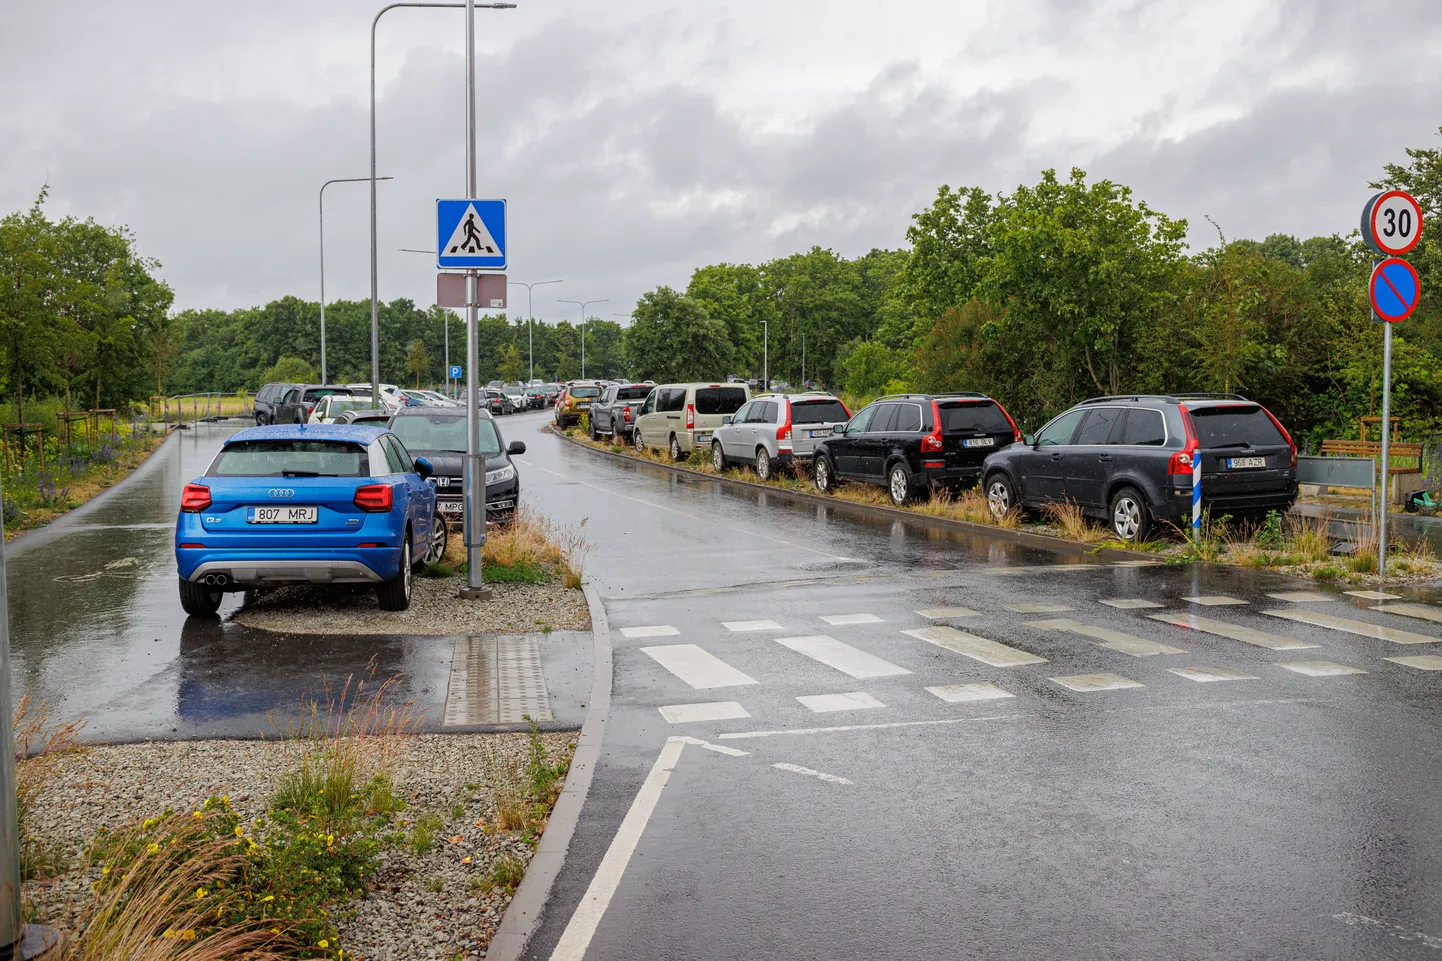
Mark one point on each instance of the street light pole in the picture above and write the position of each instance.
(338, 180)
(446, 321)
(531, 318)
(583, 304)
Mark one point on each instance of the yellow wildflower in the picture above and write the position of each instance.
(268, 897)
(239, 831)
(322, 943)
(187, 935)
(200, 893)
(152, 847)
(169, 933)
(197, 814)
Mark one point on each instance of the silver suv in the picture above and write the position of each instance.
(680, 417)
(776, 430)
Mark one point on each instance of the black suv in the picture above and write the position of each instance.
(911, 443)
(290, 403)
(1128, 460)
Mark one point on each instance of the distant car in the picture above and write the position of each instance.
(331, 406)
(290, 403)
(535, 382)
(322, 504)
(538, 398)
(577, 401)
(516, 397)
(368, 415)
(776, 430)
(438, 399)
(912, 444)
(614, 413)
(390, 394)
(1128, 461)
(496, 403)
(680, 417)
(440, 436)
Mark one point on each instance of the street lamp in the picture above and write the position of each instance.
(375, 297)
(530, 318)
(583, 304)
(338, 180)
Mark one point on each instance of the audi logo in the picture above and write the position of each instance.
(281, 492)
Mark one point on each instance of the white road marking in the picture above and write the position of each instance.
(939, 613)
(697, 667)
(1236, 632)
(1038, 608)
(1130, 603)
(747, 735)
(962, 693)
(718, 748)
(697, 517)
(1214, 600)
(1423, 612)
(836, 620)
(1303, 597)
(1423, 662)
(1321, 668)
(843, 657)
(798, 769)
(706, 711)
(654, 630)
(977, 648)
(1391, 930)
(1108, 638)
(1087, 683)
(582, 926)
(1044, 567)
(1139, 564)
(739, 626)
(853, 701)
(1211, 674)
(1374, 595)
(1318, 619)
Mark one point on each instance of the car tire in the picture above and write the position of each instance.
(198, 600)
(1128, 516)
(898, 484)
(1000, 495)
(395, 594)
(718, 457)
(260, 420)
(440, 535)
(636, 440)
(763, 464)
(595, 434)
(824, 475)
(676, 454)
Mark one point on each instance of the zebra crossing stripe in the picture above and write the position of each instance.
(977, 648)
(1422, 612)
(1108, 638)
(1349, 626)
(697, 666)
(1236, 632)
(842, 657)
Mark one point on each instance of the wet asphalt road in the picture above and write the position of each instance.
(1270, 814)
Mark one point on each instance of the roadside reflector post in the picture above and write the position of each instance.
(1196, 497)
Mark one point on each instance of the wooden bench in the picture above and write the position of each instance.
(1373, 448)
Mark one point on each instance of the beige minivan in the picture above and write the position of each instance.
(681, 417)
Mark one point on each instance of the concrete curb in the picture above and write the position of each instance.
(1026, 538)
(524, 914)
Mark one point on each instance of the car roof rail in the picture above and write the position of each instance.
(963, 393)
(1115, 397)
(1208, 396)
(903, 397)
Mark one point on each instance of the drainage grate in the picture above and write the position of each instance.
(497, 680)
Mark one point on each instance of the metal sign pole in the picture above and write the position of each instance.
(475, 471)
(1386, 433)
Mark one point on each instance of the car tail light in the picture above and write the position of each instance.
(1181, 462)
(931, 443)
(784, 431)
(1290, 443)
(374, 498)
(626, 413)
(1015, 434)
(195, 498)
(690, 416)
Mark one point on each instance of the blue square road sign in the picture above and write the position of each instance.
(471, 234)
(456, 372)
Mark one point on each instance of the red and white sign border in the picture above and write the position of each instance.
(1375, 209)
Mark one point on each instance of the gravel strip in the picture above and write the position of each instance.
(435, 609)
(421, 906)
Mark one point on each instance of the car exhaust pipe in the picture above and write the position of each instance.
(217, 580)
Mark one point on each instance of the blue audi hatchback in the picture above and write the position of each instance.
(305, 504)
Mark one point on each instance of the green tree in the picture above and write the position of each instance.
(673, 339)
(289, 370)
(418, 360)
(509, 367)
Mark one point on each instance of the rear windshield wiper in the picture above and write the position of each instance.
(301, 473)
(1240, 443)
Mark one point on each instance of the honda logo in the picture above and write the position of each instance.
(281, 492)
(443, 482)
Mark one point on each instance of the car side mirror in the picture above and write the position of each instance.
(1029, 441)
(516, 447)
(726, 419)
(839, 429)
(424, 468)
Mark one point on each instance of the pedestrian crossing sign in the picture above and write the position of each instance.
(471, 234)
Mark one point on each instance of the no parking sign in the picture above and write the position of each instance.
(1394, 289)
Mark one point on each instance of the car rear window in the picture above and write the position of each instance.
(818, 412)
(1144, 428)
(719, 400)
(632, 393)
(585, 392)
(1236, 425)
(442, 432)
(296, 458)
(316, 393)
(978, 417)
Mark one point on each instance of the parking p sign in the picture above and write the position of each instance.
(456, 372)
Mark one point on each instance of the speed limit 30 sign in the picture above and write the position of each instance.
(1392, 223)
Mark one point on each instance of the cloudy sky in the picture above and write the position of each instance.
(637, 139)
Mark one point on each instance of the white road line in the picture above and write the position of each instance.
(1374, 595)
(1139, 564)
(1236, 632)
(1045, 567)
(653, 630)
(1303, 597)
(1088, 683)
(1038, 608)
(697, 517)
(853, 701)
(939, 613)
(582, 926)
(718, 748)
(740, 626)
(798, 769)
(1321, 668)
(1130, 603)
(1211, 674)
(747, 735)
(836, 620)
(1108, 638)
(706, 711)
(1423, 662)
(1318, 619)
(842, 657)
(1423, 612)
(977, 648)
(962, 693)
(1214, 600)
(697, 666)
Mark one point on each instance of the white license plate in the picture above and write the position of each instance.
(450, 507)
(825, 432)
(979, 442)
(281, 515)
(1235, 462)
(703, 438)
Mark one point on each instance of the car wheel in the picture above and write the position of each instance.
(440, 534)
(718, 458)
(1130, 520)
(825, 480)
(676, 454)
(595, 434)
(763, 464)
(898, 484)
(199, 600)
(636, 440)
(395, 594)
(1000, 497)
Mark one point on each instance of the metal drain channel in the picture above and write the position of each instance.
(497, 680)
